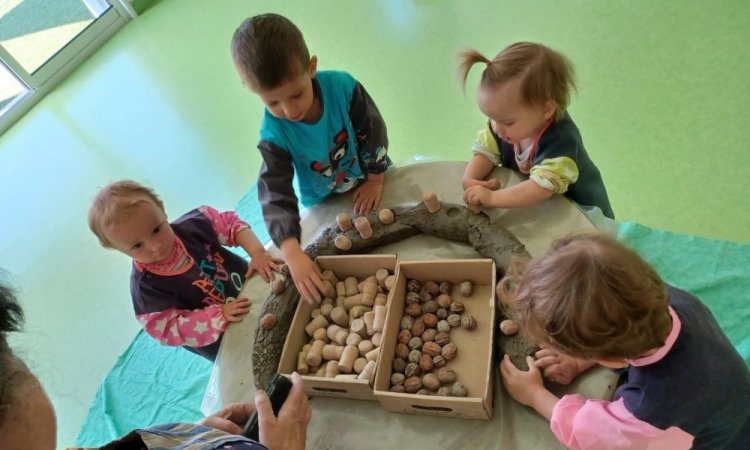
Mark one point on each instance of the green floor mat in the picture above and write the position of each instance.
(151, 384)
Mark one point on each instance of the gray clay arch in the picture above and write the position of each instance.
(451, 222)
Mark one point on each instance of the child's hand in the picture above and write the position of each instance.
(232, 311)
(367, 196)
(306, 276)
(491, 184)
(522, 386)
(264, 264)
(477, 196)
(559, 367)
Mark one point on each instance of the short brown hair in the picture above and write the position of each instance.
(545, 73)
(116, 200)
(268, 50)
(589, 296)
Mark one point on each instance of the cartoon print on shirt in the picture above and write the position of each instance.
(336, 153)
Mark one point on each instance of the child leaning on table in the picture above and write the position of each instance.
(182, 275)
(590, 300)
(524, 91)
(322, 127)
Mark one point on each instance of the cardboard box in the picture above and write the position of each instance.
(473, 362)
(360, 266)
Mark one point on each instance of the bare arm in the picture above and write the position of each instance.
(477, 170)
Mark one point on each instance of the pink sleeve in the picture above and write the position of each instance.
(227, 225)
(174, 327)
(595, 424)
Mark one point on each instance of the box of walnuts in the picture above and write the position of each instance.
(335, 345)
(436, 351)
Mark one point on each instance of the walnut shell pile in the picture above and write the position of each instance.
(424, 345)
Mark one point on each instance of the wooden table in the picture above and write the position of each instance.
(342, 423)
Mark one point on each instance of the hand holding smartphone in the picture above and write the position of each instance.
(277, 389)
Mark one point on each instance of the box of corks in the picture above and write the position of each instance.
(436, 351)
(335, 345)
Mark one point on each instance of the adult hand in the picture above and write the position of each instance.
(233, 310)
(559, 367)
(288, 431)
(230, 418)
(367, 196)
(477, 196)
(264, 264)
(306, 275)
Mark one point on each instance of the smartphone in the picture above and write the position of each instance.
(277, 389)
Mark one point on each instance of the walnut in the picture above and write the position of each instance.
(431, 348)
(457, 307)
(454, 320)
(398, 365)
(412, 384)
(402, 351)
(277, 286)
(425, 363)
(411, 298)
(438, 361)
(425, 296)
(412, 370)
(442, 313)
(386, 216)
(442, 338)
(417, 328)
(430, 306)
(413, 285)
(508, 327)
(429, 334)
(446, 287)
(406, 322)
(415, 343)
(404, 336)
(444, 391)
(466, 288)
(458, 390)
(414, 356)
(430, 382)
(431, 287)
(430, 320)
(444, 300)
(443, 326)
(449, 351)
(397, 378)
(268, 321)
(413, 310)
(423, 392)
(468, 322)
(398, 389)
(446, 375)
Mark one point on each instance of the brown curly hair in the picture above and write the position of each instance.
(589, 296)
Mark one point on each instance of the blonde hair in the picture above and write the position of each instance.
(268, 49)
(115, 201)
(589, 296)
(545, 73)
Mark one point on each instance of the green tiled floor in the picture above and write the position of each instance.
(662, 107)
